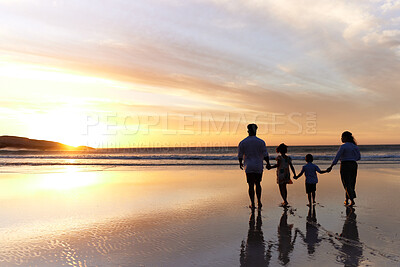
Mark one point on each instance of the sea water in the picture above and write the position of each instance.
(185, 156)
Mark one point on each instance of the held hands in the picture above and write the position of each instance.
(295, 177)
(241, 165)
(268, 166)
(329, 169)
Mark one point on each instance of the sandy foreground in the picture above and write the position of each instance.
(193, 216)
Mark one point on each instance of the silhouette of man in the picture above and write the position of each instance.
(252, 253)
(251, 153)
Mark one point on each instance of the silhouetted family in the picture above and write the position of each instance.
(252, 152)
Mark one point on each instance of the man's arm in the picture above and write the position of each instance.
(266, 156)
(240, 155)
(268, 164)
(241, 163)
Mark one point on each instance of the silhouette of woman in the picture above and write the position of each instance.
(348, 154)
(351, 251)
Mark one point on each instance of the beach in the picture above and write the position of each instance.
(192, 216)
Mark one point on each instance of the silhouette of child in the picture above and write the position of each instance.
(283, 172)
(310, 170)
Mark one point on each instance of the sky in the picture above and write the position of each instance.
(126, 73)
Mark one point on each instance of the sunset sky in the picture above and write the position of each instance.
(125, 73)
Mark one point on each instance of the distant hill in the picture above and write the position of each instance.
(26, 143)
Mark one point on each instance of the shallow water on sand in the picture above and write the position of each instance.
(179, 216)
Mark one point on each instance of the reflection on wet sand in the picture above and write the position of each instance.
(252, 253)
(351, 249)
(311, 238)
(286, 244)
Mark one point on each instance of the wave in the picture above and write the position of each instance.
(177, 157)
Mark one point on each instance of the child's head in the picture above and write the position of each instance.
(309, 158)
(282, 148)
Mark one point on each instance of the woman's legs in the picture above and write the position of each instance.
(283, 191)
(348, 173)
(352, 184)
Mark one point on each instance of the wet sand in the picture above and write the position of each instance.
(197, 216)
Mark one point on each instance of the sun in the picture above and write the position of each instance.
(66, 124)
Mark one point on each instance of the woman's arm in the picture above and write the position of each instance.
(358, 154)
(337, 157)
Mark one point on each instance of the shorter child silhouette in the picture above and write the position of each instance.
(310, 171)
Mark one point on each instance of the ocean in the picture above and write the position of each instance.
(185, 156)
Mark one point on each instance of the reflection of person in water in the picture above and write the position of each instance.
(352, 251)
(253, 252)
(286, 244)
(311, 237)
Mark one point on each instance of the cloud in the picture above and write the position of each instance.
(390, 5)
(340, 59)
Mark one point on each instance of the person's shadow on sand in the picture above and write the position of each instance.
(351, 249)
(252, 252)
(286, 244)
(311, 238)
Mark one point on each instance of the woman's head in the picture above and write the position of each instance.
(282, 148)
(348, 137)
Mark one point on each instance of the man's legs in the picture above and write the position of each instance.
(251, 193)
(258, 192)
(254, 179)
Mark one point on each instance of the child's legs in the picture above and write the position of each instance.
(310, 190)
(309, 197)
(283, 191)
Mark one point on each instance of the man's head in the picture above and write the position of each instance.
(252, 129)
